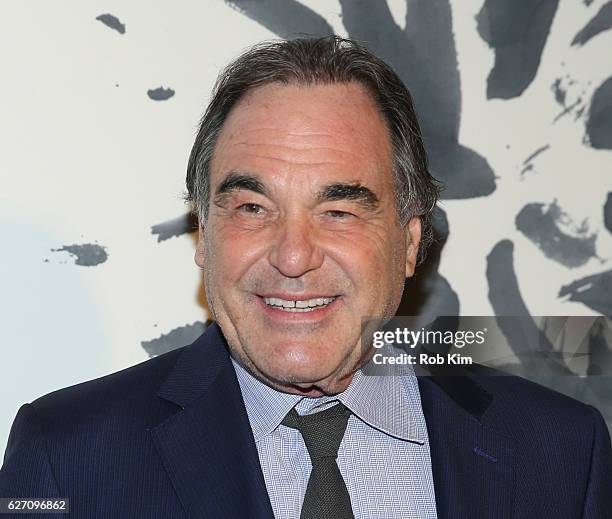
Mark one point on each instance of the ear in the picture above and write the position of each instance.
(200, 253)
(413, 237)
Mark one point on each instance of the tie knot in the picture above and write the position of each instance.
(322, 431)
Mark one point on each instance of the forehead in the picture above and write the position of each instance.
(282, 127)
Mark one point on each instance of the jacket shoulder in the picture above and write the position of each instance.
(129, 392)
(530, 409)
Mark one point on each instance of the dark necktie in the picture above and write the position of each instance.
(326, 494)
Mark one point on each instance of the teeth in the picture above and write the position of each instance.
(307, 305)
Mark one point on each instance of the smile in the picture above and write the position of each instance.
(306, 305)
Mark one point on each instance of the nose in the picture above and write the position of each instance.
(295, 251)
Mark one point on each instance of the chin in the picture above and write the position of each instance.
(299, 374)
(288, 371)
(299, 364)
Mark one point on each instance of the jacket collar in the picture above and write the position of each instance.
(207, 447)
(472, 462)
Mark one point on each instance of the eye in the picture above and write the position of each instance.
(251, 208)
(339, 215)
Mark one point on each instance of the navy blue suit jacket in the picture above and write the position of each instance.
(170, 438)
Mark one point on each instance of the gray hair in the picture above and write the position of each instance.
(326, 60)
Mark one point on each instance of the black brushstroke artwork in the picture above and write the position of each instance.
(517, 32)
(541, 149)
(181, 336)
(544, 225)
(592, 385)
(160, 93)
(176, 227)
(504, 294)
(599, 381)
(550, 367)
(426, 45)
(599, 121)
(601, 354)
(560, 88)
(527, 341)
(286, 18)
(528, 162)
(85, 254)
(530, 344)
(601, 22)
(559, 91)
(594, 291)
(112, 21)
(607, 210)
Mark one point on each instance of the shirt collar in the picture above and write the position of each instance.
(266, 407)
(389, 403)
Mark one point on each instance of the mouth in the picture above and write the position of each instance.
(299, 305)
(307, 308)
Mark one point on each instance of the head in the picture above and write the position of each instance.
(310, 182)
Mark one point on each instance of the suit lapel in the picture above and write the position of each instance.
(471, 462)
(207, 447)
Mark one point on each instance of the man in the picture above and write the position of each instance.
(310, 181)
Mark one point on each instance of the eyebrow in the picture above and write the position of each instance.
(236, 181)
(353, 191)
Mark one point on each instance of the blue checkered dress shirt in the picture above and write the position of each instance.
(384, 456)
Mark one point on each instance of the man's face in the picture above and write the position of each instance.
(303, 240)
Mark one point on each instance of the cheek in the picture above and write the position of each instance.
(369, 260)
(234, 253)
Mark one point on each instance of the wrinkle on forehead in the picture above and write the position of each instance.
(306, 135)
(308, 116)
